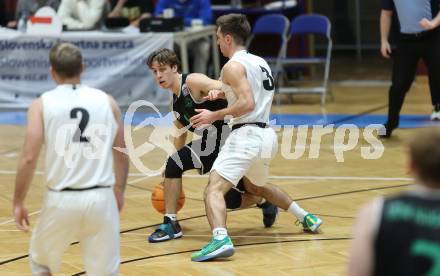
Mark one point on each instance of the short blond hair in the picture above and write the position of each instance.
(236, 25)
(66, 59)
(164, 56)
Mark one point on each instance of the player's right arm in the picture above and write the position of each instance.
(202, 85)
(28, 161)
(214, 94)
(234, 75)
(120, 159)
(180, 137)
(205, 88)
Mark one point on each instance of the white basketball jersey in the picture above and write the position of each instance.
(79, 130)
(260, 79)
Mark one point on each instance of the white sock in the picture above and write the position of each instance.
(172, 217)
(220, 233)
(297, 211)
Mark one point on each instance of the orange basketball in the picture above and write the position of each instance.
(158, 202)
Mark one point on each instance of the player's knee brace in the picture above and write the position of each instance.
(233, 199)
(172, 169)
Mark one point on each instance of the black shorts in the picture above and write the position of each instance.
(191, 156)
(198, 155)
(203, 155)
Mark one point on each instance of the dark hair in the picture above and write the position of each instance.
(236, 25)
(425, 154)
(164, 56)
(66, 59)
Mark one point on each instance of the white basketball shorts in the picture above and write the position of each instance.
(248, 152)
(90, 217)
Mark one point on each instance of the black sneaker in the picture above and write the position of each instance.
(385, 133)
(270, 213)
(168, 230)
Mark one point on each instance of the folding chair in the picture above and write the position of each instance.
(310, 24)
(269, 39)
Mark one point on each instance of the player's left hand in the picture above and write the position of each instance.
(427, 24)
(214, 94)
(21, 217)
(205, 117)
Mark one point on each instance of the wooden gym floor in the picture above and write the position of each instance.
(332, 190)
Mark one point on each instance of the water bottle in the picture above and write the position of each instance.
(22, 22)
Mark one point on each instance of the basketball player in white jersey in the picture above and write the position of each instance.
(79, 126)
(247, 152)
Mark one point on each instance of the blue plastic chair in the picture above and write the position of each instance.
(308, 24)
(269, 38)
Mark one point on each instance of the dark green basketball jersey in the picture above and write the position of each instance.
(408, 238)
(185, 105)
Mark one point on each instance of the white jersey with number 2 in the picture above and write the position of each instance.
(79, 130)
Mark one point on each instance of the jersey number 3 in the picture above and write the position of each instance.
(267, 84)
(78, 136)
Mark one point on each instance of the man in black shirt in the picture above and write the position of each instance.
(418, 38)
(401, 234)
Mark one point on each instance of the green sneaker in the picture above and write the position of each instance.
(311, 223)
(214, 249)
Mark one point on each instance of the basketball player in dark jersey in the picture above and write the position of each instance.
(189, 95)
(400, 235)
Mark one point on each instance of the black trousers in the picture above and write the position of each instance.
(409, 50)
